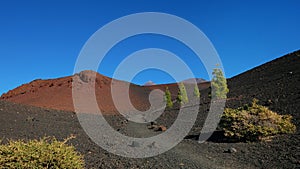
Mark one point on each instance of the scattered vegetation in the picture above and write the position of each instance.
(168, 98)
(43, 153)
(219, 84)
(254, 123)
(182, 97)
(196, 91)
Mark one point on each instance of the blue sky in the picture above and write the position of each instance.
(42, 39)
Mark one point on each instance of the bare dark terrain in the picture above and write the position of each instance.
(276, 84)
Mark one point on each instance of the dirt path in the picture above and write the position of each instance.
(138, 130)
(188, 153)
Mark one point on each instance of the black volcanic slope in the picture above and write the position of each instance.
(275, 84)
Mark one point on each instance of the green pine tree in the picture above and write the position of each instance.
(179, 97)
(196, 91)
(168, 98)
(219, 85)
(182, 97)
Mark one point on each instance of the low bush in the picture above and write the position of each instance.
(254, 123)
(43, 153)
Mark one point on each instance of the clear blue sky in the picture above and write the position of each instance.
(42, 39)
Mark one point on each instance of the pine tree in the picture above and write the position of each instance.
(168, 98)
(179, 97)
(182, 97)
(219, 85)
(196, 91)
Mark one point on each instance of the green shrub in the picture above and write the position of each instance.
(43, 153)
(254, 123)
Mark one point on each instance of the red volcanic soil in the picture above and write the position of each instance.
(57, 93)
(43, 93)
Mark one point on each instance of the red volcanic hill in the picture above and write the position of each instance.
(57, 93)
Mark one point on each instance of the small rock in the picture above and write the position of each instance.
(181, 164)
(152, 145)
(134, 144)
(153, 123)
(161, 128)
(155, 127)
(124, 122)
(231, 150)
(30, 119)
